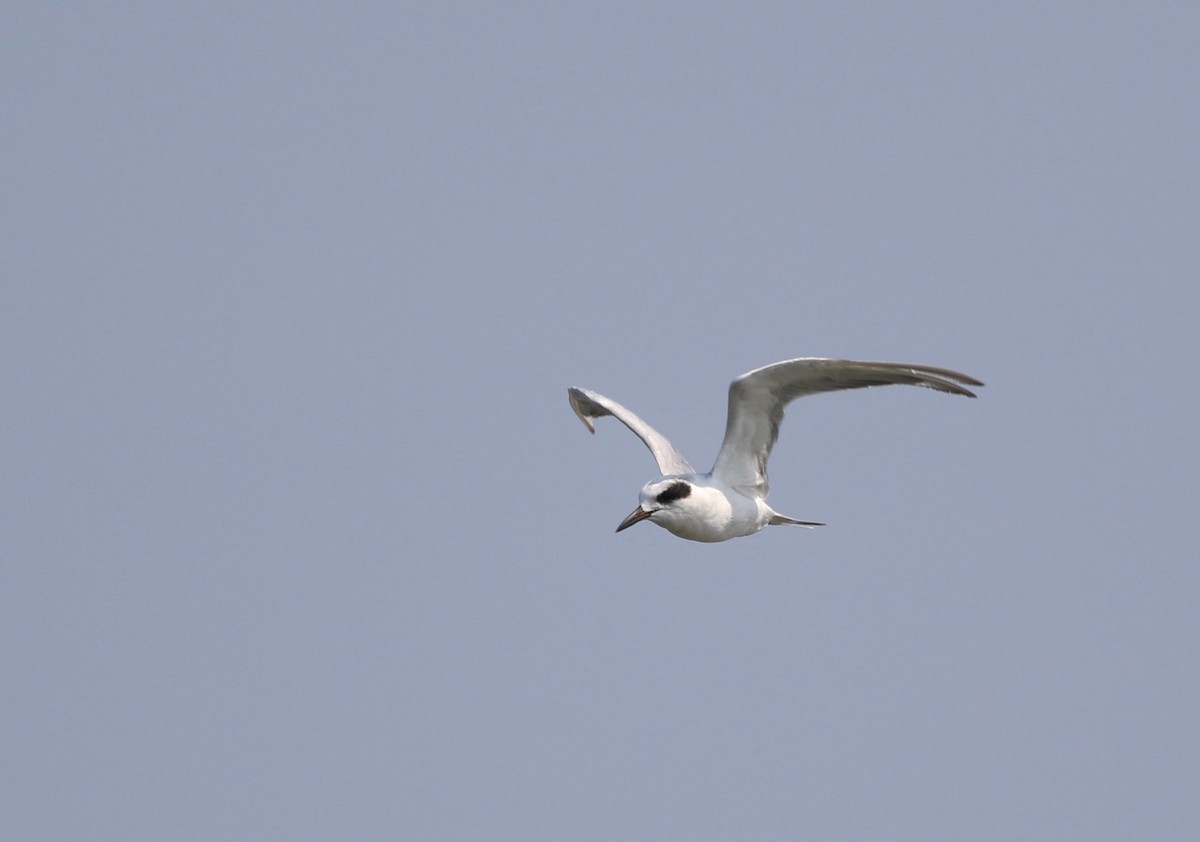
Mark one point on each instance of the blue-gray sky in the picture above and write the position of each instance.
(301, 539)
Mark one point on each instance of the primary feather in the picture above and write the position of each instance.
(589, 405)
(757, 399)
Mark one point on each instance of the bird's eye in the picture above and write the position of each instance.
(674, 491)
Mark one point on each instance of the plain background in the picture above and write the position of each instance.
(302, 541)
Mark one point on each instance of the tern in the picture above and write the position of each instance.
(730, 501)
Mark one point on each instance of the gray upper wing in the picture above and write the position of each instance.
(757, 399)
(589, 405)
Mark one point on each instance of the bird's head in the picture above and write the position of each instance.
(662, 500)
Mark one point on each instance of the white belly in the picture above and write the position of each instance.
(713, 515)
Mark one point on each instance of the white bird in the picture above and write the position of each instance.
(731, 500)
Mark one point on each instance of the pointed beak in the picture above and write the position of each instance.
(637, 514)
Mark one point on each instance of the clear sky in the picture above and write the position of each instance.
(301, 539)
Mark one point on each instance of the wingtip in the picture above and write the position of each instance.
(959, 388)
(573, 397)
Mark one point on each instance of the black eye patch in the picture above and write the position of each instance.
(674, 491)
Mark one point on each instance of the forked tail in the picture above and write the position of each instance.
(780, 520)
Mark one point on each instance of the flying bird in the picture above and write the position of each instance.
(730, 501)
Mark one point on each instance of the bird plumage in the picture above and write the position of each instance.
(730, 500)
(588, 405)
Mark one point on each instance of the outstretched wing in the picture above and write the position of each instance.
(589, 405)
(757, 399)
